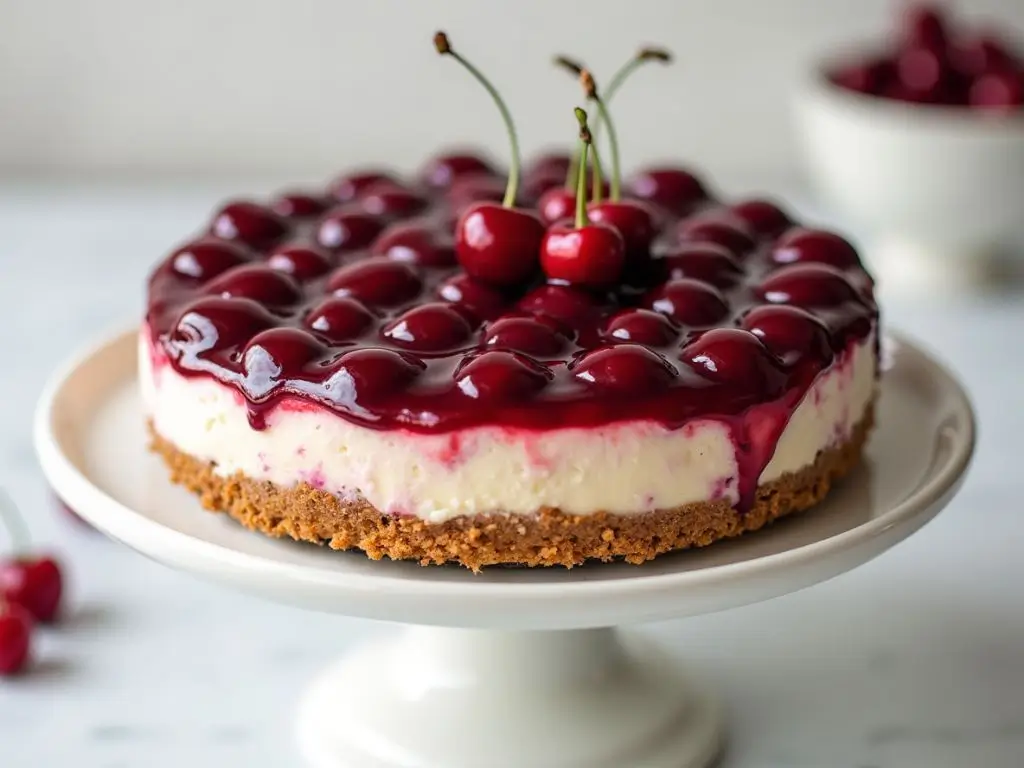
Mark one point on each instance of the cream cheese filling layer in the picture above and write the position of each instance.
(624, 468)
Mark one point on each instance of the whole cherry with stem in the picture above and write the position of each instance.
(33, 583)
(586, 254)
(496, 243)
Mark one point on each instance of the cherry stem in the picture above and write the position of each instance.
(587, 81)
(581, 182)
(13, 523)
(597, 181)
(642, 56)
(444, 47)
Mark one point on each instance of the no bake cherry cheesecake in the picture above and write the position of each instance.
(420, 371)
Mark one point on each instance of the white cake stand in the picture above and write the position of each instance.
(512, 668)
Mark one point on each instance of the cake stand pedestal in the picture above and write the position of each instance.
(512, 668)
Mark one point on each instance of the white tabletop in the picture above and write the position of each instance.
(915, 660)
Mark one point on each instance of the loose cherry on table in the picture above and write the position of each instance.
(15, 638)
(32, 582)
(494, 243)
(583, 253)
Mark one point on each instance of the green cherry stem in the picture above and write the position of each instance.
(597, 179)
(17, 531)
(444, 47)
(642, 56)
(590, 87)
(581, 182)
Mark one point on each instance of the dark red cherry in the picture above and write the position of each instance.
(871, 77)
(416, 242)
(249, 222)
(641, 326)
(429, 328)
(689, 302)
(33, 583)
(735, 356)
(720, 227)
(347, 188)
(790, 333)
(208, 257)
(674, 189)
(441, 171)
(303, 262)
(921, 70)
(344, 229)
(545, 172)
(624, 369)
(800, 245)
(277, 354)
(498, 245)
(376, 282)
(556, 204)
(340, 318)
(998, 91)
(373, 373)
(392, 201)
(762, 217)
(258, 282)
(808, 285)
(980, 54)
(565, 304)
(299, 205)
(478, 298)
(467, 190)
(924, 25)
(16, 626)
(634, 220)
(500, 375)
(709, 262)
(213, 321)
(593, 255)
(538, 336)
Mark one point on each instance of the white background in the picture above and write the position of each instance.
(306, 87)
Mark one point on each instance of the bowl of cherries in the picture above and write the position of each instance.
(920, 142)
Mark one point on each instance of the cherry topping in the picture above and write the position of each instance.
(249, 222)
(206, 258)
(303, 262)
(790, 333)
(735, 356)
(480, 299)
(278, 354)
(258, 282)
(999, 91)
(872, 77)
(416, 242)
(344, 229)
(923, 25)
(643, 327)
(921, 71)
(556, 204)
(339, 318)
(213, 320)
(536, 336)
(442, 171)
(499, 376)
(625, 369)
(717, 227)
(15, 638)
(981, 54)
(762, 217)
(592, 256)
(373, 373)
(376, 281)
(689, 302)
(347, 188)
(563, 303)
(429, 327)
(389, 200)
(808, 285)
(299, 205)
(632, 219)
(674, 189)
(702, 261)
(498, 245)
(800, 245)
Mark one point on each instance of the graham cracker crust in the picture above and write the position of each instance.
(548, 538)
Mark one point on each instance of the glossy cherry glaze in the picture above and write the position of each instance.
(393, 334)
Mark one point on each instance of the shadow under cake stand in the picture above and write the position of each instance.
(513, 668)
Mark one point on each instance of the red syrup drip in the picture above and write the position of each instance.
(396, 336)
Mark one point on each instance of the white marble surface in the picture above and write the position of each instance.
(913, 661)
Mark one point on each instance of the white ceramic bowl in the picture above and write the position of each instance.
(938, 191)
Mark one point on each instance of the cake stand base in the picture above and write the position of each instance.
(464, 698)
